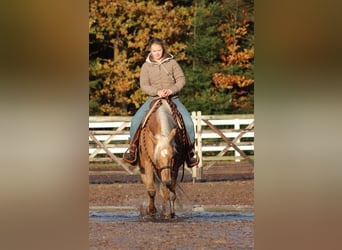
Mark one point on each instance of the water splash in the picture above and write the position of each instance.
(193, 216)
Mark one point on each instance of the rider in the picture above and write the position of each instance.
(161, 76)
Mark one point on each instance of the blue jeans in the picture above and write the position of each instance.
(140, 114)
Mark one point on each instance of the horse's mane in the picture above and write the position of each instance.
(167, 123)
(164, 114)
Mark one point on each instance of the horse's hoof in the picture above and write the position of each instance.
(152, 211)
(169, 216)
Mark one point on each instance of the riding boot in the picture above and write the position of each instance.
(131, 153)
(192, 158)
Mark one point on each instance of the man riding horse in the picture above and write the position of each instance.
(161, 76)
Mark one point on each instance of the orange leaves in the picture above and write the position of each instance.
(228, 81)
(119, 34)
(234, 54)
(222, 81)
(123, 29)
(240, 58)
(232, 32)
(237, 62)
(241, 31)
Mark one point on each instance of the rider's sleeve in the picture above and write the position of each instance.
(145, 82)
(179, 78)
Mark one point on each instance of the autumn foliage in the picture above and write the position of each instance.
(119, 32)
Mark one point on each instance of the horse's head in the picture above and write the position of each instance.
(164, 155)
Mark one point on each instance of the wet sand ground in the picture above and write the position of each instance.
(229, 191)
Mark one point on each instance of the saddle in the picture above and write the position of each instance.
(155, 104)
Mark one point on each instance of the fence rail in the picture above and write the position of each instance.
(218, 138)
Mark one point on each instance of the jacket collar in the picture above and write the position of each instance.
(150, 60)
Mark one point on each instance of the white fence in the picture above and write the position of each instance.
(218, 138)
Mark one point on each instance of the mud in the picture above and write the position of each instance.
(215, 213)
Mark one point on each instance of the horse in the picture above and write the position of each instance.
(161, 154)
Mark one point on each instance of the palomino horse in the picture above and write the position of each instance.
(161, 153)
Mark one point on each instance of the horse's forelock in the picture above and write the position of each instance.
(162, 144)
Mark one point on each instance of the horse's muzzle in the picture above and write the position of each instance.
(166, 182)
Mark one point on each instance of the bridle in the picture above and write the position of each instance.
(165, 167)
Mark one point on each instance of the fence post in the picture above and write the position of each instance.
(197, 172)
(237, 127)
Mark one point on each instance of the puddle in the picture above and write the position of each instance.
(114, 216)
(203, 214)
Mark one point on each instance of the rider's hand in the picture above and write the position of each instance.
(164, 92)
(160, 93)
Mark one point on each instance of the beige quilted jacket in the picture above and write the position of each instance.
(164, 75)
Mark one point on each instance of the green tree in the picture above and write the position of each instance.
(236, 73)
(221, 51)
(203, 52)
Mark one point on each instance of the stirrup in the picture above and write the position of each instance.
(192, 161)
(130, 157)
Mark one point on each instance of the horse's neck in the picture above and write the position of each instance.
(165, 118)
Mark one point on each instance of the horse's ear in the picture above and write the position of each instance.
(172, 134)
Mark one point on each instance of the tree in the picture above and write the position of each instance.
(212, 40)
(237, 67)
(202, 49)
(119, 34)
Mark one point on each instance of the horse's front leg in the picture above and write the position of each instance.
(169, 195)
(172, 198)
(172, 194)
(147, 179)
(151, 209)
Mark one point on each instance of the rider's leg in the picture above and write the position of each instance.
(192, 158)
(130, 155)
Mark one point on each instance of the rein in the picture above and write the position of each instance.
(180, 128)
